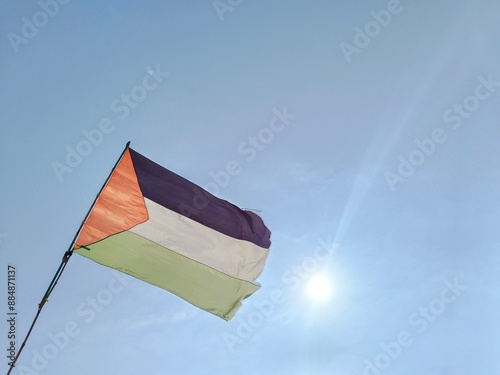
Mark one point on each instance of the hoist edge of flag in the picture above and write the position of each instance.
(119, 207)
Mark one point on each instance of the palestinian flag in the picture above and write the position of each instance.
(152, 224)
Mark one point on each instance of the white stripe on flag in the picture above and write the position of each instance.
(241, 259)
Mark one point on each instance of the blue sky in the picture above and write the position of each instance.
(383, 179)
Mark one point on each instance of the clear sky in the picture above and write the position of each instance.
(366, 136)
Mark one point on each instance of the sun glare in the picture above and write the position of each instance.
(319, 288)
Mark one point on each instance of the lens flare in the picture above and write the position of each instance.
(319, 288)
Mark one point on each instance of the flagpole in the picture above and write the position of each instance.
(64, 261)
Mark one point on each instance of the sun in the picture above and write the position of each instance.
(319, 288)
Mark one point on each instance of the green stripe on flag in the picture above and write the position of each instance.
(192, 281)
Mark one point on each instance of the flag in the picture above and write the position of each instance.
(157, 226)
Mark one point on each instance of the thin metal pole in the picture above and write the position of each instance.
(64, 261)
